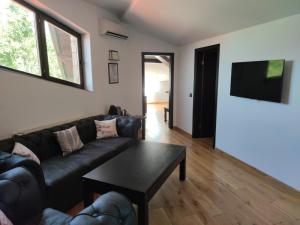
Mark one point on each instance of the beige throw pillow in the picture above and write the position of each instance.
(69, 140)
(106, 128)
(4, 220)
(22, 150)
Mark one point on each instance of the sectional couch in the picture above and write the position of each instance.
(59, 175)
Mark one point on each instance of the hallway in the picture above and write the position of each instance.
(155, 124)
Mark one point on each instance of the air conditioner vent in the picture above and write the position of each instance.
(112, 34)
(112, 29)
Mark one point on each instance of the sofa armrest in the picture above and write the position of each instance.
(20, 196)
(109, 209)
(127, 126)
(9, 161)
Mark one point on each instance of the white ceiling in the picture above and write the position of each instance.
(117, 7)
(183, 21)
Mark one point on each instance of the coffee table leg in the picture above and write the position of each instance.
(88, 196)
(182, 170)
(143, 216)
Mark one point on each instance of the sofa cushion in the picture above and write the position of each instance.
(4, 220)
(63, 181)
(22, 150)
(42, 143)
(63, 174)
(127, 126)
(99, 151)
(113, 143)
(7, 145)
(69, 140)
(58, 169)
(54, 217)
(106, 128)
(87, 130)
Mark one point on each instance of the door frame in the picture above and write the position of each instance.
(171, 91)
(197, 86)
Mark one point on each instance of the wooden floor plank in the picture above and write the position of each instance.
(219, 190)
(158, 216)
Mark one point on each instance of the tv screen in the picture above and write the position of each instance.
(260, 80)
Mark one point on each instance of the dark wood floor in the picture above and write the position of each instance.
(219, 190)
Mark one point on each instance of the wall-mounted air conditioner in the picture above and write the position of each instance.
(112, 29)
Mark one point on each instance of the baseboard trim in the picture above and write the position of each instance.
(239, 161)
(156, 103)
(182, 131)
(244, 164)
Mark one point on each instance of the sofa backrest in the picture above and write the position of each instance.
(44, 144)
(7, 145)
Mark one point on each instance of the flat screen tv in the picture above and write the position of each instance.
(260, 80)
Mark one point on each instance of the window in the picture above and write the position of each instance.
(62, 52)
(36, 44)
(18, 38)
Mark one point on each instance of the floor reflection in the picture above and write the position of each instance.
(156, 127)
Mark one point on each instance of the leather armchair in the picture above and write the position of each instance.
(9, 161)
(111, 208)
(23, 203)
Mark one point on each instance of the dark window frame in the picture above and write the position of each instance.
(40, 18)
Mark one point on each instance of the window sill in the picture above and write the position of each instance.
(46, 78)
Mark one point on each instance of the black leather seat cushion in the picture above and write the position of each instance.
(63, 174)
(63, 181)
(58, 169)
(99, 151)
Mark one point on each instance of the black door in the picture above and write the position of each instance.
(205, 91)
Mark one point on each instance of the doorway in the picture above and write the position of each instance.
(157, 99)
(206, 92)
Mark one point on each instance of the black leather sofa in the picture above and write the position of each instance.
(61, 176)
(22, 201)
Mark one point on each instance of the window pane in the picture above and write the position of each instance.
(18, 39)
(63, 56)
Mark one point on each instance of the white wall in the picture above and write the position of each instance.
(263, 134)
(157, 82)
(28, 103)
(128, 93)
(164, 91)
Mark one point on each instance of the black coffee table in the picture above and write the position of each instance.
(138, 173)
